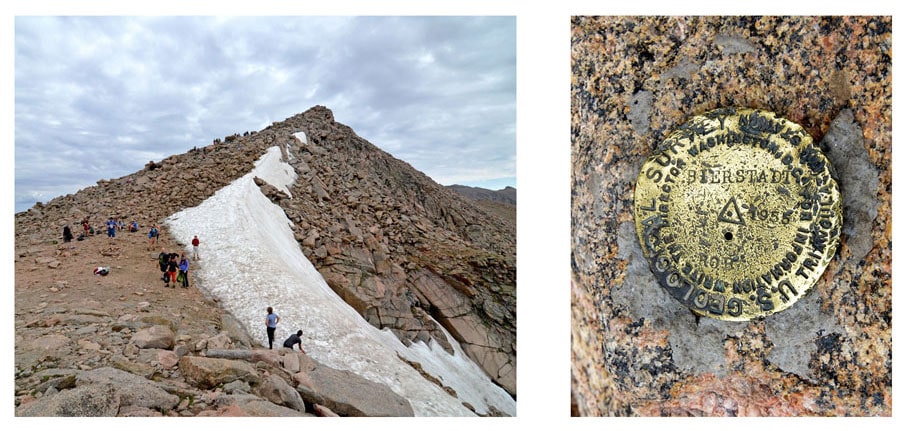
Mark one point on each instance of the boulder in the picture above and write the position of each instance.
(251, 405)
(348, 394)
(168, 359)
(155, 337)
(55, 345)
(210, 372)
(131, 389)
(276, 390)
(84, 401)
(323, 411)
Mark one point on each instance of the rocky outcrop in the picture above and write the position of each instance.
(507, 195)
(408, 254)
(232, 382)
(402, 250)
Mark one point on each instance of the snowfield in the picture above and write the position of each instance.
(250, 261)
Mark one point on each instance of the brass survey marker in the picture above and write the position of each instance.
(737, 213)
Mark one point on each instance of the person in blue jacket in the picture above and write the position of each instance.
(184, 271)
(271, 324)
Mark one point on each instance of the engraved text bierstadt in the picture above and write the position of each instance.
(693, 279)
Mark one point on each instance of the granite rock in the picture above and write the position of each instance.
(635, 351)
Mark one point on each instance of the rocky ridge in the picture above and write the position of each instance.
(507, 195)
(395, 245)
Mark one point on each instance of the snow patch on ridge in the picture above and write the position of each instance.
(252, 261)
(275, 171)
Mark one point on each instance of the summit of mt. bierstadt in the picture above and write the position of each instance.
(404, 290)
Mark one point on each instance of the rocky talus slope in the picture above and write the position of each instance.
(395, 245)
(122, 345)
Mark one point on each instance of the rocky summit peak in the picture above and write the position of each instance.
(395, 245)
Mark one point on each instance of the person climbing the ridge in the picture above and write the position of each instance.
(271, 324)
(183, 277)
(293, 340)
(195, 247)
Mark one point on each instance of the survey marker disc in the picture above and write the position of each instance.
(738, 213)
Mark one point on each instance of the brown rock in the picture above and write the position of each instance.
(209, 372)
(155, 337)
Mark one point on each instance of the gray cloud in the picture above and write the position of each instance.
(98, 97)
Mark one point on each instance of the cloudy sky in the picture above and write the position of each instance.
(99, 97)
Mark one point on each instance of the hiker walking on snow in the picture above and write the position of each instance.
(271, 324)
(195, 247)
(184, 271)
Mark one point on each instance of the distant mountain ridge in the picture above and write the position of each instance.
(395, 245)
(507, 195)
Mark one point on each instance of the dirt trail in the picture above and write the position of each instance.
(56, 281)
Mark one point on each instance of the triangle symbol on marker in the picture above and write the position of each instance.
(730, 213)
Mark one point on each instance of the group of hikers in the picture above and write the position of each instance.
(174, 270)
(112, 225)
(169, 266)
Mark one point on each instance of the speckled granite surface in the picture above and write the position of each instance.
(635, 351)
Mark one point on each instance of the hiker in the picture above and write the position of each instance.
(67, 234)
(163, 258)
(85, 226)
(295, 339)
(183, 277)
(172, 266)
(152, 236)
(271, 324)
(195, 247)
(133, 227)
(111, 228)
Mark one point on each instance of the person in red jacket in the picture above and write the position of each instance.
(195, 247)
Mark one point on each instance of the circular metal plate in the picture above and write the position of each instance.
(737, 213)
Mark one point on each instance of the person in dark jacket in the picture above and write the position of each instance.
(172, 267)
(67, 234)
(293, 340)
